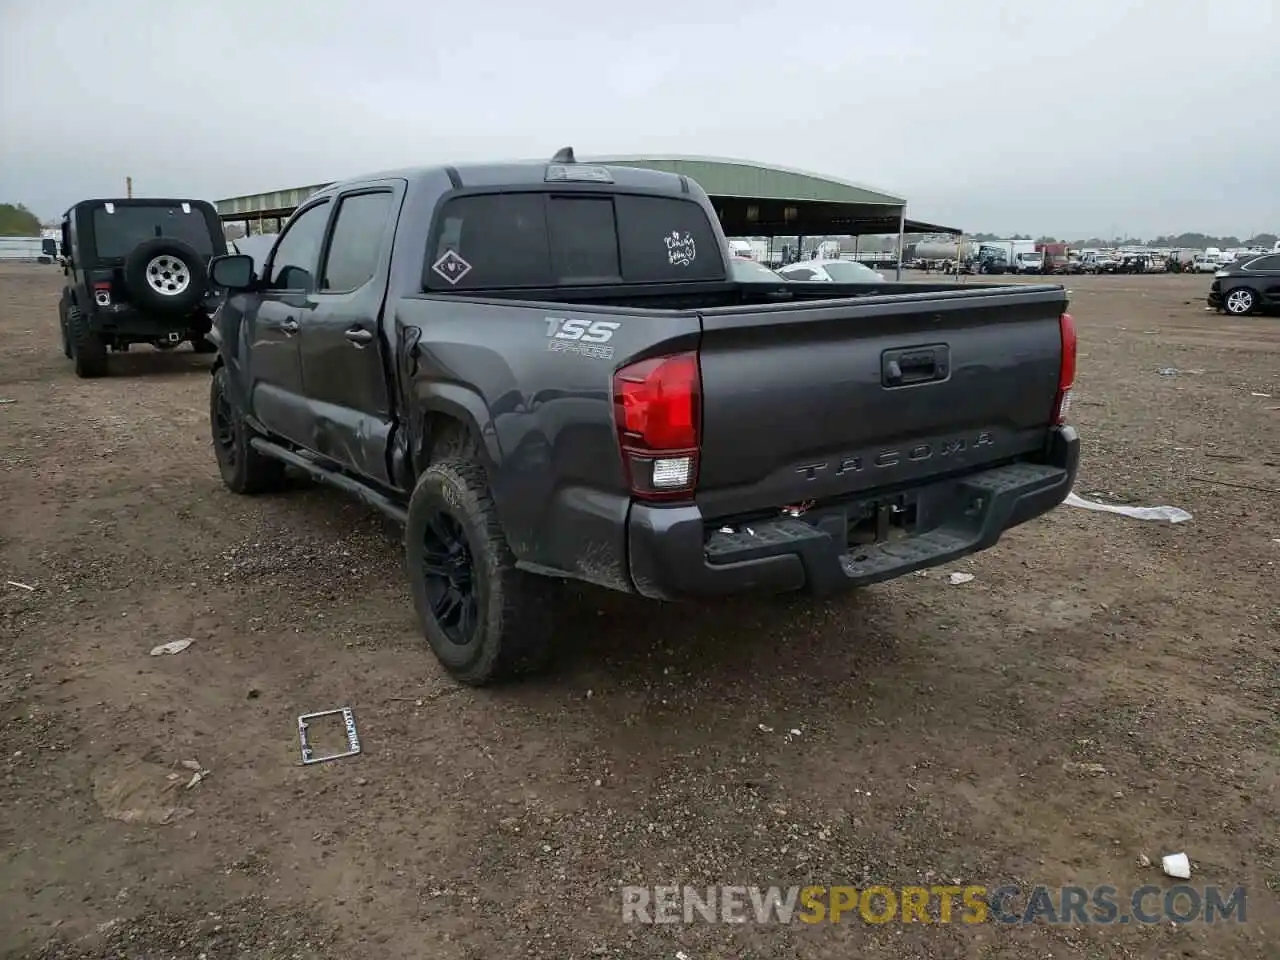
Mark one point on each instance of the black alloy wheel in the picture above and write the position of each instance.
(224, 429)
(449, 575)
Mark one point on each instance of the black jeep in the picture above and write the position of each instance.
(137, 272)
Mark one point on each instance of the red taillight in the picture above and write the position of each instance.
(102, 292)
(658, 411)
(1066, 369)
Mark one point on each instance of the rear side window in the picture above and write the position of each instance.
(356, 242)
(1265, 263)
(545, 240)
(664, 239)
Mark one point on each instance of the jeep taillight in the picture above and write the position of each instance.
(658, 412)
(102, 293)
(1066, 369)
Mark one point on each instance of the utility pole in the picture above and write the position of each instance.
(128, 187)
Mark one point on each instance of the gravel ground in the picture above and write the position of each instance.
(912, 733)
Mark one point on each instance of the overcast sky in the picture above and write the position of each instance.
(1071, 118)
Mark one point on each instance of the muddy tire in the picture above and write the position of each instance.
(484, 619)
(244, 470)
(88, 350)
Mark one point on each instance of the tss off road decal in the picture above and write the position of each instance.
(587, 338)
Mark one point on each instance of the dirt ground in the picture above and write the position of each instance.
(943, 729)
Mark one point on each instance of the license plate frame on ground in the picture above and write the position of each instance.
(349, 724)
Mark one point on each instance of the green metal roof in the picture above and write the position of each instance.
(723, 177)
(258, 203)
(718, 176)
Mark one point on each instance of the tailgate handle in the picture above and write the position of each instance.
(910, 365)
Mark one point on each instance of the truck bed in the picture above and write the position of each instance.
(701, 296)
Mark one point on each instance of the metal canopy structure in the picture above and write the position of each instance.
(751, 199)
(756, 200)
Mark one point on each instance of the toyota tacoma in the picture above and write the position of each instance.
(545, 370)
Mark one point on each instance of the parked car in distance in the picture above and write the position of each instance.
(752, 271)
(136, 272)
(831, 271)
(1029, 262)
(546, 371)
(1248, 285)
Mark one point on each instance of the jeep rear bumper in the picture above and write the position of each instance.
(122, 322)
(674, 553)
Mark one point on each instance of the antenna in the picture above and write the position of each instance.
(564, 155)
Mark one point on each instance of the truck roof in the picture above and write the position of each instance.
(524, 173)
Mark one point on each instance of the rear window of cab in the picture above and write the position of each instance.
(544, 239)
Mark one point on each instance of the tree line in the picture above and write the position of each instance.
(17, 221)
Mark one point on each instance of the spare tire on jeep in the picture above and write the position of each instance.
(165, 275)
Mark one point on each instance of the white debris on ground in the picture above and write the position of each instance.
(173, 646)
(958, 578)
(1171, 514)
(198, 772)
(1176, 865)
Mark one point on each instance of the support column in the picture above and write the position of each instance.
(902, 230)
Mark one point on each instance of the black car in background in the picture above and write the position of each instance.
(1248, 285)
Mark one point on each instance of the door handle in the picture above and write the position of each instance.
(359, 336)
(289, 326)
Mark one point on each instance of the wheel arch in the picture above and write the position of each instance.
(449, 416)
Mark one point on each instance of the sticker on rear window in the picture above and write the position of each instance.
(681, 250)
(451, 266)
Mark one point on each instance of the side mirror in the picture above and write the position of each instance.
(49, 248)
(234, 271)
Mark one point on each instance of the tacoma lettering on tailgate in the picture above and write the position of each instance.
(893, 456)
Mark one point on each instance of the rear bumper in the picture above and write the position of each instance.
(672, 555)
(1215, 295)
(123, 322)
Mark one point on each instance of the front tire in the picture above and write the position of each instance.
(484, 619)
(1240, 302)
(244, 470)
(88, 350)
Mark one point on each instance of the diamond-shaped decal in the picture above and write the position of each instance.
(451, 266)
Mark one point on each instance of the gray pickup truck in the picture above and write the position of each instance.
(544, 371)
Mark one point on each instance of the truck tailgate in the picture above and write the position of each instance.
(804, 401)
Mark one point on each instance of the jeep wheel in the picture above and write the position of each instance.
(165, 276)
(244, 470)
(87, 348)
(485, 619)
(1240, 301)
